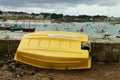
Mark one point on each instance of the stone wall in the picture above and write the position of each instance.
(100, 51)
(105, 52)
(8, 47)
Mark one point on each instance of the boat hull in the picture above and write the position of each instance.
(4, 28)
(28, 30)
(61, 65)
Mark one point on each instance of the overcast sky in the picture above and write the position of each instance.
(67, 7)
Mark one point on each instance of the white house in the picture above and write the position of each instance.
(40, 17)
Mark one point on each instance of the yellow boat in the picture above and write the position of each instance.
(55, 50)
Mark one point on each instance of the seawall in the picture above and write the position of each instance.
(100, 51)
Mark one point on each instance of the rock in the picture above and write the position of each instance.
(108, 48)
(11, 68)
(109, 57)
(4, 67)
(116, 50)
(18, 76)
(101, 56)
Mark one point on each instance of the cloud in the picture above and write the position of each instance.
(54, 3)
(72, 7)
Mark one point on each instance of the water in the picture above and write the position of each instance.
(87, 28)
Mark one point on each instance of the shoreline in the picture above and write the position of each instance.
(7, 34)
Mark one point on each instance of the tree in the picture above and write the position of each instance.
(45, 14)
(1, 12)
(54, 16)
(60, 16)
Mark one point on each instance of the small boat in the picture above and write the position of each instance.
(28, 29)
(15, 27)
(4, 27)
(81, 30)
(118, 36)
(55, 50)
(101, 31)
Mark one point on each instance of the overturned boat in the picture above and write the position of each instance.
(55, 50)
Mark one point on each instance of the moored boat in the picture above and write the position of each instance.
(4, 27)
(15, 27)
(28, 29)
(55, 50)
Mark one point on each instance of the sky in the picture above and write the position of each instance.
(66, 7)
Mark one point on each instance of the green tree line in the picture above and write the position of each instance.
(55, 16)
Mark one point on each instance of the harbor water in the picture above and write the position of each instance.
(93, 30)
